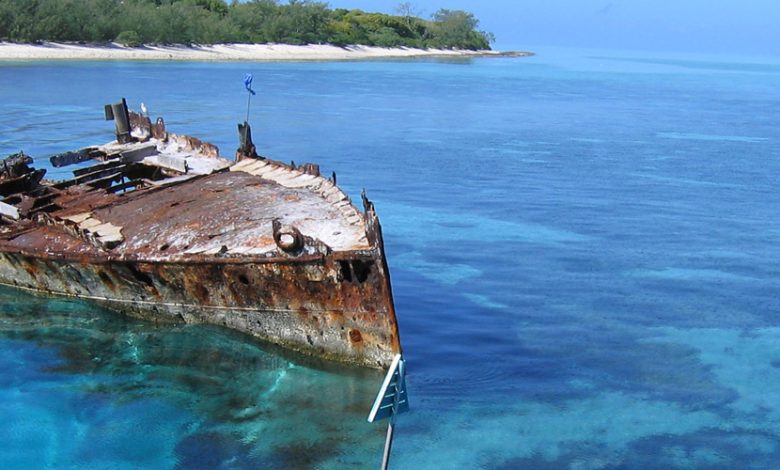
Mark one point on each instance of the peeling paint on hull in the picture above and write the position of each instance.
(305, 306)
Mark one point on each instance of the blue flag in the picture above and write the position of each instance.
(248, 83)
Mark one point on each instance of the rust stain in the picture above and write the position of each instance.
(355, 336)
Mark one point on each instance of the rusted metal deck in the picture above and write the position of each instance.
(163, 228)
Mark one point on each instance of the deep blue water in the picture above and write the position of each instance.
(584, 248)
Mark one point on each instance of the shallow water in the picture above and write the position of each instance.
(583, 248)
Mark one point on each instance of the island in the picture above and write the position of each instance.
(216, 30)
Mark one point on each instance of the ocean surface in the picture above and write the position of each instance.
(584, 248)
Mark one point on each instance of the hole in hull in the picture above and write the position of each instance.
(346, 271)
(361, 269)
(140, 276)
(106, 279)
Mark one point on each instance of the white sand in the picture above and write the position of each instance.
(220, 52)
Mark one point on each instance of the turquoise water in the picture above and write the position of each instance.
(584, 248)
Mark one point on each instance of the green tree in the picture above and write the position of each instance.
(129, 39)
(457, 29)
(214, 21)
(406, 11)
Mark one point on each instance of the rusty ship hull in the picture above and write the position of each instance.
(163, 228)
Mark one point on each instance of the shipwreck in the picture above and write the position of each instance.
(159, 226)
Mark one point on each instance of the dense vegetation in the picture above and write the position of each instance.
(136, 22)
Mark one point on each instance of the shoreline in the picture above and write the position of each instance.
(228, 52)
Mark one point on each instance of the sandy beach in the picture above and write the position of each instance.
(224, 52)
